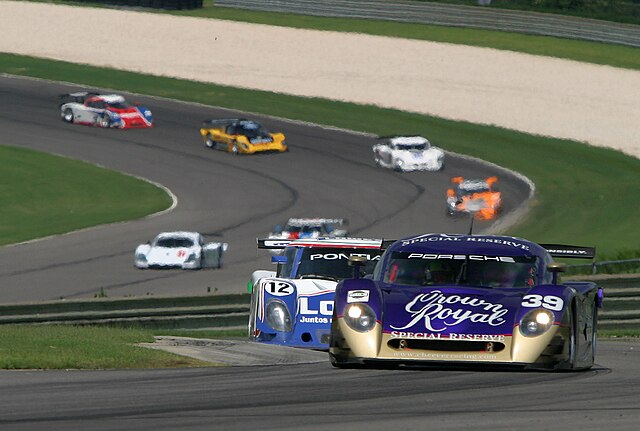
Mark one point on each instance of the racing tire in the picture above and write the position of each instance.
(342, 365)
(220, 259)
(104, 122)
(253, 313)
(570, 363)
(234, 149)
(594, 335)
(209, 143)
(67, 116)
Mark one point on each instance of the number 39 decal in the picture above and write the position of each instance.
(549, 302)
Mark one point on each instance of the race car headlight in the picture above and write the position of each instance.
(360, 317)
(278, 316)
(191, 258)
(141, 257)
(244, 146)
(536, 322)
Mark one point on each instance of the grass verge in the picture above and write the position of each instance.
(77, 347)
(575, 183)
(43, 194)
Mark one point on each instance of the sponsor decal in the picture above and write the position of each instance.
(437, 336)
(433, 256)
(443, 356)
(460, 238)
(357, 296)
(315, 319)
(341, 256)
(325, 308)
(437, 316)
(129, 115)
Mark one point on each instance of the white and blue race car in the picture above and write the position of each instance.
(293, 305)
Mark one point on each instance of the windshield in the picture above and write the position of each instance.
(118, 105)
(471, 187)
(252, 129)
(422, 269)
(174, 242)
(407, 147)
(329, 263)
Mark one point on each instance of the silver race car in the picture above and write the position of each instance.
(184, 250)
(408, 153)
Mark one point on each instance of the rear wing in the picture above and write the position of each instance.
(273, 244)
(279, 244)
(570, 251)
(78, 97)
(219, 123)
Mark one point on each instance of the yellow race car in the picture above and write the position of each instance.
(240, 136)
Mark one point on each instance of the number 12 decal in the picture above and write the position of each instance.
(554, 303)
(278, 288)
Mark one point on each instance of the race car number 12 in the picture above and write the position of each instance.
(549, 302)
(279, 288)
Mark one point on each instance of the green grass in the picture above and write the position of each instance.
(78, 347)
(42, 194)
(584, 194)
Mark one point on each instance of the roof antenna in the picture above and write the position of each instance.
(471, 226)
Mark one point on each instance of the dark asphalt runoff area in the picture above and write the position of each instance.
(316, 396)
(235, 199)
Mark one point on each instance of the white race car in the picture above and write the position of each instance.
(408, 153)
(185, 250)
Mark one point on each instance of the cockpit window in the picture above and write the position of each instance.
(421, 269)
(409, 147)
(174, 243)
(328, 263)
(118, 105)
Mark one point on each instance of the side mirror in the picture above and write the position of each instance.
(555, 268)
(357, 262)
(279, 259)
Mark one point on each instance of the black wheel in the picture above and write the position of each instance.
(209, 143)
(67, 116)
(104, 121)
(342, 365)
(234, 149)
(570, 363)
(594, 334)
(220, 257)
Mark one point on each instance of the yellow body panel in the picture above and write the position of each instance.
(227, 142)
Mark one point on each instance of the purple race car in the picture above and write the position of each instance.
(467, 299)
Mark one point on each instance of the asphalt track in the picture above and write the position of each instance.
(317, 397)
(235, 199)
(327, 173)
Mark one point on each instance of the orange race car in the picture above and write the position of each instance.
(478, 197)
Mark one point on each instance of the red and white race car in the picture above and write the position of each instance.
(103, 110)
